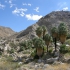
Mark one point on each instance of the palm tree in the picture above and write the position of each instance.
(47, 39)
(34, 39)
(39, 44)
(29, 43)
(39, 31)
(54, 32)
(44, 30)
(62, 32)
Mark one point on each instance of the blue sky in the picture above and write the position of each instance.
(19, 14)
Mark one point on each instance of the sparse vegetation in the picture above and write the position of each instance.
(33, 50)
(64, 49)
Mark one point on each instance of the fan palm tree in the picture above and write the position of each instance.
(62, 32)
(34, 39)
(47, 39)
(39, 31)
(44, 30)
(39, 44)
(54, 32)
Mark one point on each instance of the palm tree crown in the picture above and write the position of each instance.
(39, 31)
(39, 43)
(62, 32)
(54, 32)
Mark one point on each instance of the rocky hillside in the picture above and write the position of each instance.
(55, 18)
(5, 32)
(52, 19)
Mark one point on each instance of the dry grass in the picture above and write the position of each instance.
(6, 64)
(60, 67)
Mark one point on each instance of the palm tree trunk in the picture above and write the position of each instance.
(55, 44)
(43, 36)
(43, 47)
(47, 48)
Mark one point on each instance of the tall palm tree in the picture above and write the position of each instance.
(34, 39)
(47, 39)
(44, 30)
(39, 44)
(39, 31)
(54, 32)
(62, 32)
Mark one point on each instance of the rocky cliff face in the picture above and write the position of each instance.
(55, 18)
(52, 19)
(5, 32)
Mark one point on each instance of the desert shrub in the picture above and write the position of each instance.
(13, 45)
(68, 36)
(64, 48)
(50, 50)
(11, 51)
(21, 49)
(29, 44)
(0, 53)
(23, 44)
(44, 48)
(68, 41)
(33, 53)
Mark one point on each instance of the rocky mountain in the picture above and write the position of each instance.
(6, 32)
(55, 18)
(52, 19)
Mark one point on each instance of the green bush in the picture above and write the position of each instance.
(50, 50)
(33, 53)
(24, 44)
(68, 36)
(12, 44)
(64, 49)
(44, 48)
(11, 51)
(68, 41)
(0, 53)
(21, 48)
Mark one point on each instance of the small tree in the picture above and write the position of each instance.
(47, 39)
(29, 43)
(39, 44)
(62, 32)
(54, 32)
(44, 30)
(39, 31)
(34, 39)
(23, 44)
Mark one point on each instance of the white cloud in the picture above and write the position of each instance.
(37, 9)
(33, 17)
(19, 12)
(26, 4)
(65, 9)
(22, 14)
(29, 4)
(2, 6)
(11, 5)
(10, 1)
(62, 6)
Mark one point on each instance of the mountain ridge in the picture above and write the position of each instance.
(6, 32)
(50, 20)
